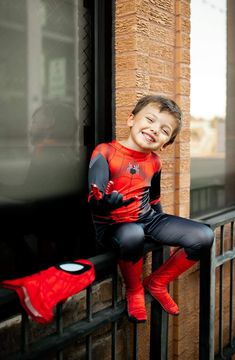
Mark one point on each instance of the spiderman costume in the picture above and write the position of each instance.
(136, 179)
(123, 217)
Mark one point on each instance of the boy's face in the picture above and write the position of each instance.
(150, 129)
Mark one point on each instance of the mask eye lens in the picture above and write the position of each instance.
(71, 267)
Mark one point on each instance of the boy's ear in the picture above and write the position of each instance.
(130, 120)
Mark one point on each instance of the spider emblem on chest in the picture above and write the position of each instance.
(133, 168)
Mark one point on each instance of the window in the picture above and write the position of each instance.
(50, 111)
(208, 106)
(45, 95)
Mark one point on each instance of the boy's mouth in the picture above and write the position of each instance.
(149, 138)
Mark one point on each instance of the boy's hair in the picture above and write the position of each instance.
(163, 104)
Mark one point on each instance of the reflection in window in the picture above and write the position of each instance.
(44, 62)
(45, 100)
(208, 105)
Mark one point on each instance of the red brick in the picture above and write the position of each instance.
(153, 57)
(123, 7)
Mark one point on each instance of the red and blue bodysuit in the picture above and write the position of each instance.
(123, 219)
(134, 174)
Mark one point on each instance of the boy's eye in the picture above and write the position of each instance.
(165, 131)
(149, 119)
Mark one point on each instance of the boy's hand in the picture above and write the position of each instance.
(110, 200)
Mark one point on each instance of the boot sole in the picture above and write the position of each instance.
(134, 320)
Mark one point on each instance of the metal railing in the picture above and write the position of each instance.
(211, 279)
(56, 342)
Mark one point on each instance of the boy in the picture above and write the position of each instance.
(124, 185)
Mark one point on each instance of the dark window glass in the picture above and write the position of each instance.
(47, 127)
(210, 173)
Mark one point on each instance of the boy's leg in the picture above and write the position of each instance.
(193, 238)
(156, 283)
(128, 239)
(132, 273)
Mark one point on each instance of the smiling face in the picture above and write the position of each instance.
(150, 129)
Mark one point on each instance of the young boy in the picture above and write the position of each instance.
(124, 185)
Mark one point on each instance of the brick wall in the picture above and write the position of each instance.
(152, 55)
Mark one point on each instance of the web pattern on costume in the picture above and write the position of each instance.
(133, 174)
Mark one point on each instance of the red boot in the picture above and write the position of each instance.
(156, 284)
(131, 273)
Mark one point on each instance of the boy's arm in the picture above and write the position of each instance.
(155, 192)
(98, 173)
(102, 195)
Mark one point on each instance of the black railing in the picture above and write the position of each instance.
(56, 342)
(222, 253)
(212, 278)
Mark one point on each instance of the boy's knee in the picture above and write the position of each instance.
(202, 240)
(207, 237)
(131, 242)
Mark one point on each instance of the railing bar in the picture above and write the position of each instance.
(135, 341)
(59, 355)
(59, 318)
(231, 302)
(215, 223)
(114, 287)
(89, 303)
(228, 352)
(59, 327)
(221, 293)
(89, 347)
(159, 319)
(212, 290)
(77, 330)
(92, 322)
(114, 340)
(232, 235)
(221, 311)
(207, 305)
(221, 259)
(89, 310)
(114, 306)
(222, 239)
(24, 332)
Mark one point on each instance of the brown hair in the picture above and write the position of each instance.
(163, 104)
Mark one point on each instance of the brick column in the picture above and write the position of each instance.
(182, 93)
(185, 289)
(152, 56)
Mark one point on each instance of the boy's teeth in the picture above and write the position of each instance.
(148, 137)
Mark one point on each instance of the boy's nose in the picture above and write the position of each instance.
(155, 131)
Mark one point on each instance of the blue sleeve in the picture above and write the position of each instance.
(155, 188)
(98, 172)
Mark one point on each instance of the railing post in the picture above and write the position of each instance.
(159, 318)
(207, 305)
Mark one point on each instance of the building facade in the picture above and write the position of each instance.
(97, 58)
